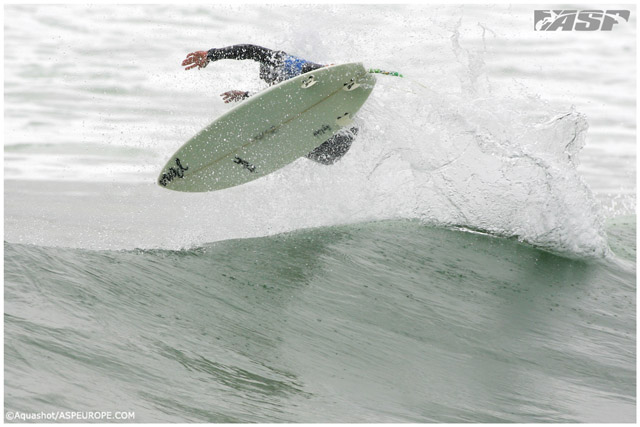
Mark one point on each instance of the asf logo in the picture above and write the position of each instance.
(579, 20)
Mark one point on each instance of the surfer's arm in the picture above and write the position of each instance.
(260, 54)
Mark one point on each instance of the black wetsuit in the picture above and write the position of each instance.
(277, 66)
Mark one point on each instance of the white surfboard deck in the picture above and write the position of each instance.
(269, 130)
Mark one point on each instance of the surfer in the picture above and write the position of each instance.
(275, 66)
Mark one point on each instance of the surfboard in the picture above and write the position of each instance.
(269, 130)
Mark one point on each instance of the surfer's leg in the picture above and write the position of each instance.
(334, 148)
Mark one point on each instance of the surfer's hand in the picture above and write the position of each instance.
(196, 59)
(233, 95)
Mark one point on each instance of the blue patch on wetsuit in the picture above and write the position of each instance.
(292, 66)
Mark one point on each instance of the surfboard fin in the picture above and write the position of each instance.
(350, 85)
(309, 81)
(344, 119)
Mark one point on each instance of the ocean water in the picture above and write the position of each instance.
(471, 259)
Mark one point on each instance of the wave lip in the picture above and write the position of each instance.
(507, 166)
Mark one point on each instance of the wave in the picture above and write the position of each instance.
(385, 321)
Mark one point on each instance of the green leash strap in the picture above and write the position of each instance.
(386, 73)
